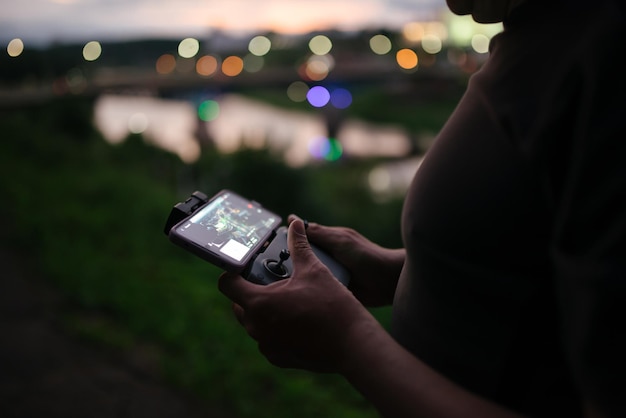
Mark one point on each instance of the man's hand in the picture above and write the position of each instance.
(307, 321)
(374, 270)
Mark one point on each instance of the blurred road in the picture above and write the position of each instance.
(45, 372)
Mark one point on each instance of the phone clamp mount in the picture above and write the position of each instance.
(184, 209)
(273, 262)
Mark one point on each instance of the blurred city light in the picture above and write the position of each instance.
(92, 51)
(253, 63)
(208, 110)
(437, 29)
(232, 66)
(328, 149)
(320, 45)
(297, 91)
(380, 44)
(317, 67)
(318, 96)
(207, 65)
(341, 98)
(480, 43)
(379, 179)
(188, 48)
(260, 46)
(15, 47)
(413, 32)
(461, 29)
(166, 64)
(432, 43)
(407, 59)
(138, 123)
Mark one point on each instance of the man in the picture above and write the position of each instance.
(510, 295)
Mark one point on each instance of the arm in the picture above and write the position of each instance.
(400, 385)
(312, 322)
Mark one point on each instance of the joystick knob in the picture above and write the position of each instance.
(277, 267)
(284, 255)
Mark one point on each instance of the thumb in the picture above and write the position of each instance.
(322, 236)
(301, 253)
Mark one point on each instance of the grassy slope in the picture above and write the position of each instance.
(91, 217)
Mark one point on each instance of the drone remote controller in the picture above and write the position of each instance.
(238, 235)
(275, 263)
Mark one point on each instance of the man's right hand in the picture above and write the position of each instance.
(374, 270)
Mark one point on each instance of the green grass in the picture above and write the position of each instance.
(91, 216)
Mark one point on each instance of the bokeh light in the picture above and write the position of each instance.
(480, 43)
(138, 123)
(463, 28)
(318, 96)
(208, 110)
(253, 63)
(407, 59)
(432, 43)
(341, 98)
(380, 44)
(166, 64)
(320, 45)
(317, 67)
(207, 65)
(15, 47)
(379, 179)
(297, 91)
(259, 46)
(92, 51)
(188, 48)
(232, 66)
(413, 32)
(328, 149)
(461, 31)
(437, 29)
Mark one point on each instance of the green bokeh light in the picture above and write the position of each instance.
(334, 151)
(208, 110)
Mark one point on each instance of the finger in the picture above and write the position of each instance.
(297, 241)
(239, 313)
(293, 217)
(237, 289)
(301, 252)
(324, 237)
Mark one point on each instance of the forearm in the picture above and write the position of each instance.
(399, 385)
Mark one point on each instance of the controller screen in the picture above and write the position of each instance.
(230, 225)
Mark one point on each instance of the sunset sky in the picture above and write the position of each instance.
(44, 21)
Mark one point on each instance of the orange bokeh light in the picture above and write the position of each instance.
(232, 66)
(206, 66)
(166, 64)
(407, 59)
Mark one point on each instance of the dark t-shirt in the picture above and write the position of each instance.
(515, 224)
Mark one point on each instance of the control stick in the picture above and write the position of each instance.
(277, 267)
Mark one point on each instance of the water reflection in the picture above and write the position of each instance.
(242, 122)
(169, 124)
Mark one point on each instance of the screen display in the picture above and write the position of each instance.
(230, 225)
